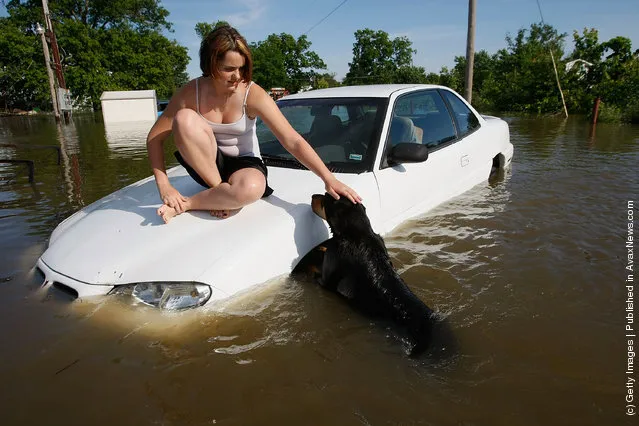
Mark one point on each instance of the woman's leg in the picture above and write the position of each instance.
(244, 187)
(196, 142)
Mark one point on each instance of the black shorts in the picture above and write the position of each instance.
(227, 165)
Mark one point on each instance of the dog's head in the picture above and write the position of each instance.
(342, 215)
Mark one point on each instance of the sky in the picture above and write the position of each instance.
(436, 28)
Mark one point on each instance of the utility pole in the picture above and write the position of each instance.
(54, 45)
(470, 52)
(57, 64)
(47, 62)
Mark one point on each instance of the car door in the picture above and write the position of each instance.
(475, 158)
(410, 189)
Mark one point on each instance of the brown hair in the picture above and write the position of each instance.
(217, 43)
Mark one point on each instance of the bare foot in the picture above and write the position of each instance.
(224, 214)
(166, 213)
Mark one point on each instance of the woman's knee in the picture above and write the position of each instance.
(250, 188)
(188, 125)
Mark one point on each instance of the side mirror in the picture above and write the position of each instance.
(408, 153)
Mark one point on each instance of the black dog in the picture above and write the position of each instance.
(357, 266)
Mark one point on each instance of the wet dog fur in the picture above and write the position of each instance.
(357, 266)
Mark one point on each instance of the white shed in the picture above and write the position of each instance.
(126, 106)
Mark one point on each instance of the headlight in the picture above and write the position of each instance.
(170, 296)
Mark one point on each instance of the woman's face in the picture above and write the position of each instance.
(230, 69)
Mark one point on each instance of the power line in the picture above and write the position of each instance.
(324, 18)
(540, 14)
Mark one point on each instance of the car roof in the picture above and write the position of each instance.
(365, 91)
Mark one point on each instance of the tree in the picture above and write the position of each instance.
(410, 74)
(141, 15)
(587, 47)
(432, 78)
(23, 79)
(524, 79)
(202, 29)
(584, 71)
(484, 65)
(325, 80)
(104, 44)
(610, 72)
(618, 78)
(447, 78)
(377, 58)
(483, 77)
(283, 61)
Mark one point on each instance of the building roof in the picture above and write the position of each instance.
(127, 94)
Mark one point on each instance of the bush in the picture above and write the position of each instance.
(608, 114)
(631, 112)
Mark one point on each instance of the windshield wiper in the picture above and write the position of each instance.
(277, 161)
(346, 167)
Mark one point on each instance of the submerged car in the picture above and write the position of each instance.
(404, 148)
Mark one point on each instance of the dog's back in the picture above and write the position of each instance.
(357, 266)
(380, 291)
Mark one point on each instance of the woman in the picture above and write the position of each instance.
(213, 123)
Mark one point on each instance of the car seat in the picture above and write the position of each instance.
(325, 128)
(402, 130)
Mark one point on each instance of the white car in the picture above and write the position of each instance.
(404, 148)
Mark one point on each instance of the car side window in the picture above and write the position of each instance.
(466, 120)
(423, 118)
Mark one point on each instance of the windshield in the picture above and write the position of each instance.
(343, 131)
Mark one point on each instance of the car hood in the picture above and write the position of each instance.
(120, 239)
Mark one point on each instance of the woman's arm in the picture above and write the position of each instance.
(155, 148)
(260, 104)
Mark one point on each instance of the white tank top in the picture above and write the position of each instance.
(234, 139)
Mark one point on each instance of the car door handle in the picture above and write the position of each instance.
(464, 160)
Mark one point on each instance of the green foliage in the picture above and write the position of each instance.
(202, 29)
(118, 45)
(609, 114)
(23, 79)
(483, 73)
(631, 113)
(524, 78)
(520, 78)
(612, 74)
(432, 78)
(325, 80)
(410, 74)
(96, 14)
(587, 46)
(104, 44)
(283, 61)
(378, 59)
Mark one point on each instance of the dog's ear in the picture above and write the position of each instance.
(317, 205)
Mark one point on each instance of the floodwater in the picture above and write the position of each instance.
(528, 270)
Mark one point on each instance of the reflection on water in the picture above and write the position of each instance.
(128, 138)
(527, 270)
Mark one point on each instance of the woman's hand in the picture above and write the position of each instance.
(337, 188)
(172, 198)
